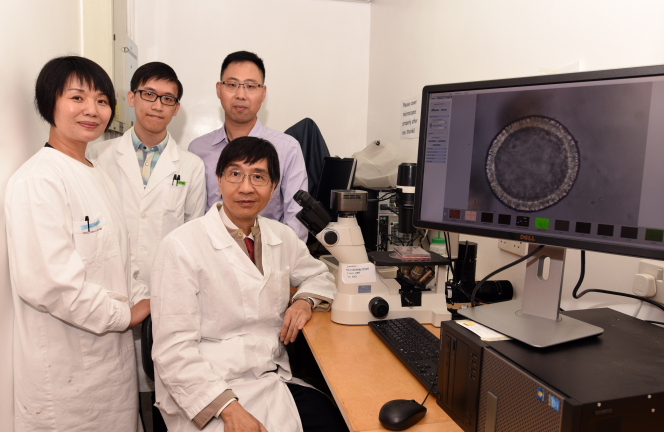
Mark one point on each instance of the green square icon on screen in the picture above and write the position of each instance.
(541, 223)
(654, 235)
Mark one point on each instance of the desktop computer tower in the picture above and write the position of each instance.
(610, 383)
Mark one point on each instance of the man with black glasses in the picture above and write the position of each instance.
(221, 314)
(161, 186)
(242, 90)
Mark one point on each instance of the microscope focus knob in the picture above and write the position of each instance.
(379, 307)
(331, 237)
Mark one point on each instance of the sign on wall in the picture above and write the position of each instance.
(410, 117)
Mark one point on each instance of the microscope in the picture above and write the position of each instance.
(364, 293)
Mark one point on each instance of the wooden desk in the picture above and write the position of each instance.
(363, 374)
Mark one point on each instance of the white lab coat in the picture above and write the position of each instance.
(216, 318)
(155, 210)
(74, 367)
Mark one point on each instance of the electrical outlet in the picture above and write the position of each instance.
(649, 282)
(515, 247)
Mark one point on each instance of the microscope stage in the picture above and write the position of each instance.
(382, 258)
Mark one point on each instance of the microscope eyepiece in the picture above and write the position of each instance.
(313, 215)
(303, 198)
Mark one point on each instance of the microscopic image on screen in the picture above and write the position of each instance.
(583, 154)
(532, 163)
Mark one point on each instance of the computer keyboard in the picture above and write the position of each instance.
(415, 346)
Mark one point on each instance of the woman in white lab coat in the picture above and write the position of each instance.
(73, 292)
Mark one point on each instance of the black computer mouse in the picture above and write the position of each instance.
(401, 414)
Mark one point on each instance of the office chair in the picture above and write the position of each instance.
(146, 347)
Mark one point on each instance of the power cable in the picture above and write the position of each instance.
(512, 264)
(601, 291)
(385, 197)
(430, 388)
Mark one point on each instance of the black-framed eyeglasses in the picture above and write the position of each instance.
(150, 96)
(256, 179)
(234, 86)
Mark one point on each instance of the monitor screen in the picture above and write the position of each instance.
(574, 160)
(337, 173)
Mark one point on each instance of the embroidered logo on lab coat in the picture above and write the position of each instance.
(93, 227)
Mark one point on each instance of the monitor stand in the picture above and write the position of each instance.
(536, 320)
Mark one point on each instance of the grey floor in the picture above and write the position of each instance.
(146, 411)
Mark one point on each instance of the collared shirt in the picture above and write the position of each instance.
(147, 156)
(237, 232)
(293, 173)
(238, 235)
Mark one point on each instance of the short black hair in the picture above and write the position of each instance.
(155, 71)
(243, 56)
(250, 150)
(55, 75)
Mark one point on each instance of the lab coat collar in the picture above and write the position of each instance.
(129, 163)
(268, 242)
(221, 239)
(126, 158)
(221, 136)
(216, 230)
(269, 237)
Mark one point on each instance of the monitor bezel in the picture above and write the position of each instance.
(530, 237)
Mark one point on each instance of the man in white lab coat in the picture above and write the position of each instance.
(160, 184)
(220, 294)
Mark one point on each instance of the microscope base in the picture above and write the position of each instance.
(353, 309)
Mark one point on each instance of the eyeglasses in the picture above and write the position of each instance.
(234, 86)
(256, 179)
(150, 96)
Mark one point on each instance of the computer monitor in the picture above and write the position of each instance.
(337, 173)
(566, 161)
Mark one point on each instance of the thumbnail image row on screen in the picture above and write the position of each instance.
(605, 230)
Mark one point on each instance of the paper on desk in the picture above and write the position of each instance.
(485, 333)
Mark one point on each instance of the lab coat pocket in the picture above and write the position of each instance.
(94, 240)
(279, 286)
(117, 296)
(228, 356)
(173, 204)
(99, 349)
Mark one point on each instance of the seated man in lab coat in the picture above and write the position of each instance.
(160, 184)
(220, 294)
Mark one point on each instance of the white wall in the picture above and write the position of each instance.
(316, 55)
(419, 42)
(32, 32)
